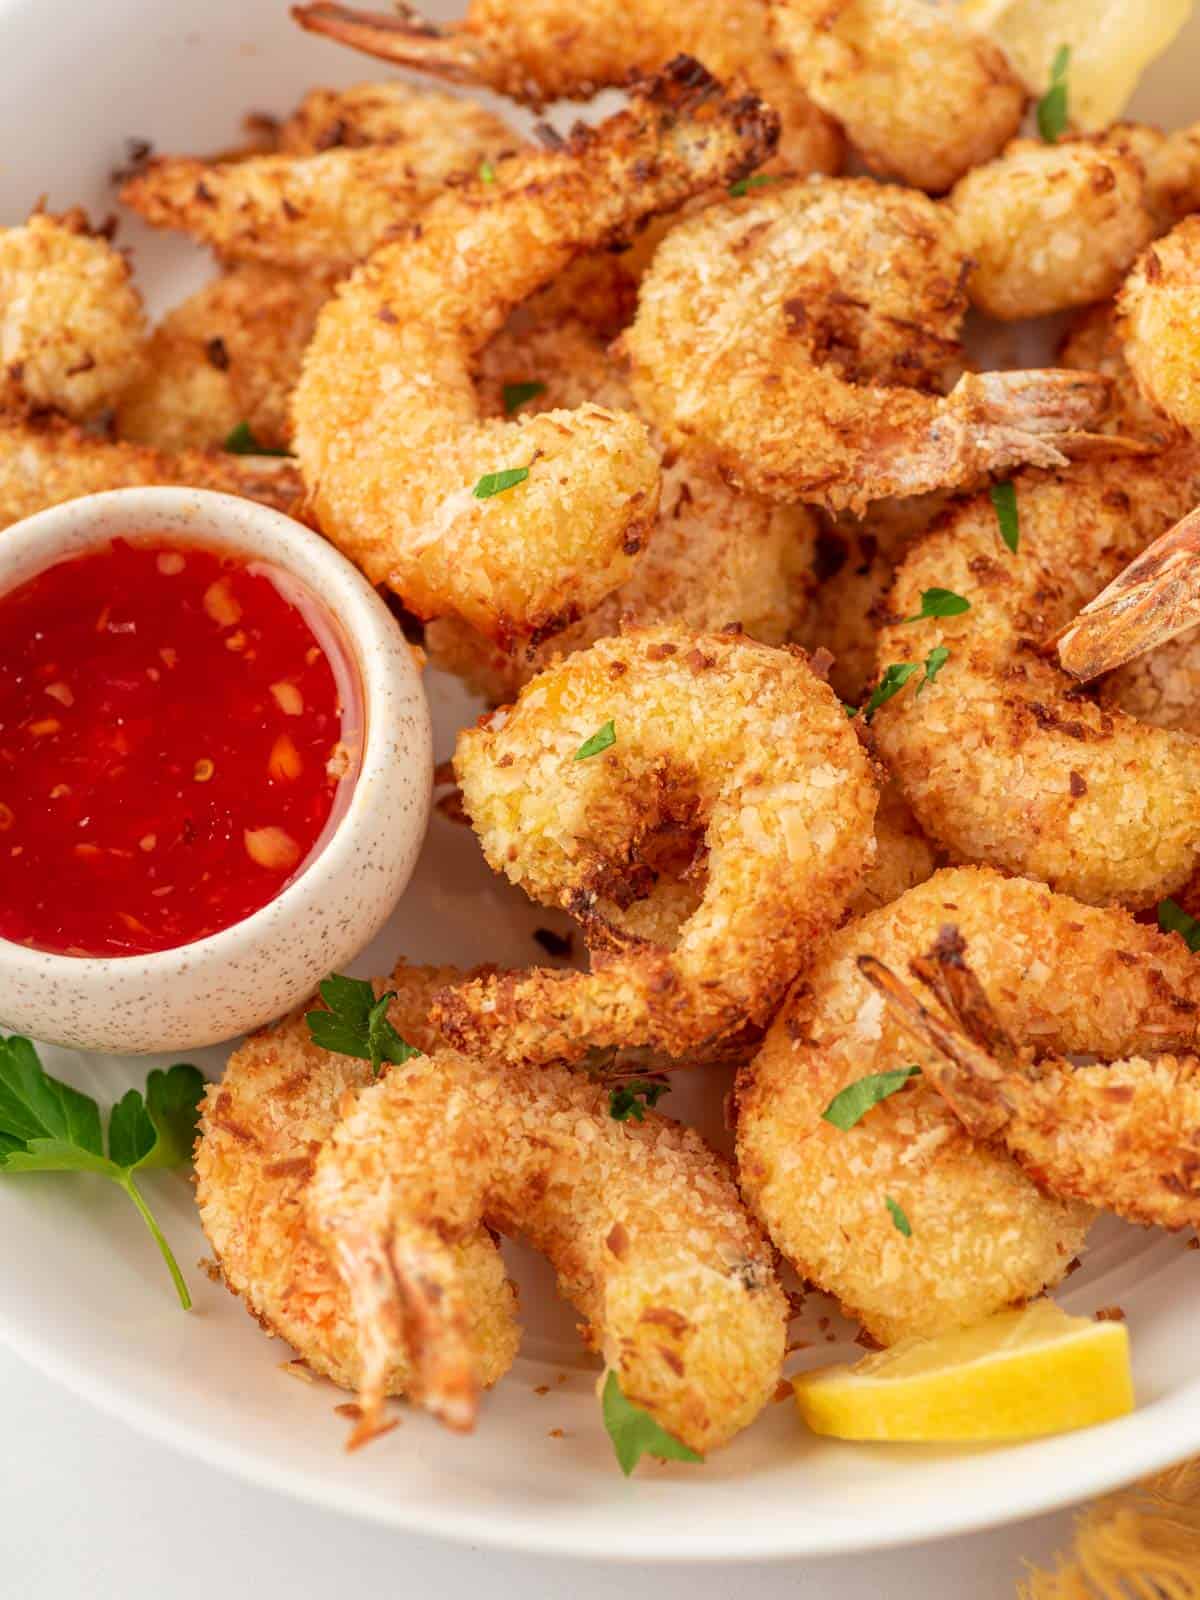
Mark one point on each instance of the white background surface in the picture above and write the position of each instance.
(91, 1511)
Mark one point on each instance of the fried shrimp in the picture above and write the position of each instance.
(1160, 323)
(326, 210)
(921, 98)
(71, 322)
(520, 526)
(642, 1224)
(784, 335)
(1050, 227)
(1001, 757)
(1093, 343)
(1067, 977)
(261, 1129)
(1121, 1136)
(385, 113)
(44, 462)
(640, 758)
(542, 50)
(229, 354)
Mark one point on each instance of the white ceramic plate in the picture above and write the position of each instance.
(83, 1295)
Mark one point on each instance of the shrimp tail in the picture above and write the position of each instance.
(407, 39)
(1036, 418)
(1156, 597)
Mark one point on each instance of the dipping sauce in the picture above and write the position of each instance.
(179, 734)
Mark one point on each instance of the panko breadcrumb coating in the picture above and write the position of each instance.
(1002, 758)
(1160, 324)
(542, 50)
(904, 856)
(641, 1222)
(1060, 975)
(718, 743)
(921, 97)
(261, 1130)
(783, 336)
(71, 321)
(1093, 343)
(387, 425)
(390, 113)
(43, 463)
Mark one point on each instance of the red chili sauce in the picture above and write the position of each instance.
(179, 732)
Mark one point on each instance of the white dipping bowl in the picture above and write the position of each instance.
(254, 970)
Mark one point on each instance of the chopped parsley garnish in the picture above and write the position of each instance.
(1052, 107)
(934, 662)
(241, 442)
(939, 603)
(851, 1105)
(602, 739)
(46, 1126)
(516, 394)
(851, 711)
(628, 1101)
(893, 680)
(634, 1432)
(356, 1024)
(1172, 918)
(487, 172)
(497, 482)
(755, 181)
(1004, 498)
(903, 1225)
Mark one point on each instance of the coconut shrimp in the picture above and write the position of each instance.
(47, 461)
(709, 748)
(1093, 343)
(641, 1222)
(784, 336)
(542, 50)
(1160, 323)
(1122, 1136)
(402, 470)
(261, 1129)
(71, 322)
(922, 98)
(1070, 978)
(1050, 227)
(324, 211)
(904, 857)
(385, 113)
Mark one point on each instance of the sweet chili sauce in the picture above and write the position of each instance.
(179, 732)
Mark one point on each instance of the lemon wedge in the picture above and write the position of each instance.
(1112, 42)
(1016, 1376)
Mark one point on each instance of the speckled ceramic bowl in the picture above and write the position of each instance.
(259, 968)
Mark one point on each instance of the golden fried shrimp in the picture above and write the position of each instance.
(71, 322)
(542, 50)
(1001, 758)
(388, 113)
(261, 1129)
(387, 425)
(713, 750)
(1160, 323)
(642, 1223)
(904, 857)
(1121, 1135)
(1093, 343)
(1173, 174)
(783, 334)
(921, 98)
(984, 1234)
(229, 354)
(327, 210)
(44, 462)
(1052, 226)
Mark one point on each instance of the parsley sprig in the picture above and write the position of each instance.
(241, 442)
(493, 483)
(634, 1432)
(516, 394)
(628, 1101)
(47, 1126)
(1172, 918)
(851, 1105)
(754, 181)
(1004, 499)
(356, 1024)
(939, 603)
(902, 1224)
(1052, 109)
(603, 739)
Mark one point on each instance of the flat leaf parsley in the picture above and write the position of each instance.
(516, 394)
(497, 482)
(1004, 499)
(46, 1126)
(634, 1432)
(241, 442)
(1172, 918)
(356, 1024)
(849, 1107)
(940, 603)
(902, 1224)
(628, 1101)
(603, 739)
(1052, 111)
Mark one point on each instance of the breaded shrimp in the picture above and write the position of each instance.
(922, 98)
(783, 335)
(1160, 323)
(1001, 757)
(71, 322)
(642, 1223)
(261, 1130)
(229, 354)
(904, 857)
(387, 113)
(1052, 226)
(387, 428)
(43, 463)
(707, 742)
(542, 50)
(1093, 343)
(1123, 1136)
(324, 211)
(984, 1235)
